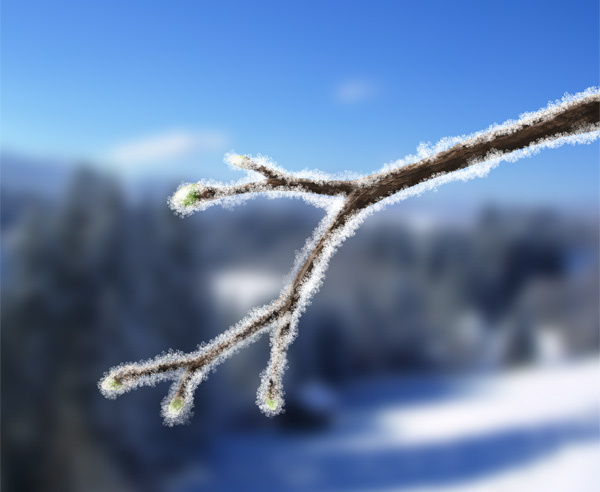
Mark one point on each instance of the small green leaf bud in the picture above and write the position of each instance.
(112, 384)
(237, 160)
(176, 405)
(186, 196)
(271, 403)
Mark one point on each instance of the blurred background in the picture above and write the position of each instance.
(454, 344)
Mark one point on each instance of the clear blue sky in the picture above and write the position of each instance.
(166, 87)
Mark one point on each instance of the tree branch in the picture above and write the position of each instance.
(573, 117)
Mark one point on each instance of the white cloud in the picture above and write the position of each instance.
(166, 145)
(355, 91)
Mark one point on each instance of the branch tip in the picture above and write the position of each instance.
(112, 384)
(271, 403)
(176, 406)
(237, 160)
(187, 196)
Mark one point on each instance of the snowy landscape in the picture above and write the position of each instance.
(527, 430)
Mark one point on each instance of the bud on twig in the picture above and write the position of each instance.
(238, 160)
(111, 383)
(176, 406)
(186, 196)
(271, 403)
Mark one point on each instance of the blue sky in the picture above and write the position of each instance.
(157, 88)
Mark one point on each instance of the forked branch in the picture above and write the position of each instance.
(563, 122)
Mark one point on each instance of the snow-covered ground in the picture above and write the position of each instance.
(529, 430)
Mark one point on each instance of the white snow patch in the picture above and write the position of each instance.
(242, 289)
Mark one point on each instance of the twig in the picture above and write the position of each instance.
(573, 117)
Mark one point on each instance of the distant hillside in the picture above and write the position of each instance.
(45, 178)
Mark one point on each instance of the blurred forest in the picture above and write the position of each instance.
(92, 278)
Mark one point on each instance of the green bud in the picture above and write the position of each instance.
(237, 160)
(191, 198)
(186, 196)
(176, 405)
(111, 384)
(271, 403)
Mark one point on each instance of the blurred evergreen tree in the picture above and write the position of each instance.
(92, 278)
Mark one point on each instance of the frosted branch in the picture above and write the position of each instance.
(574, 120)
